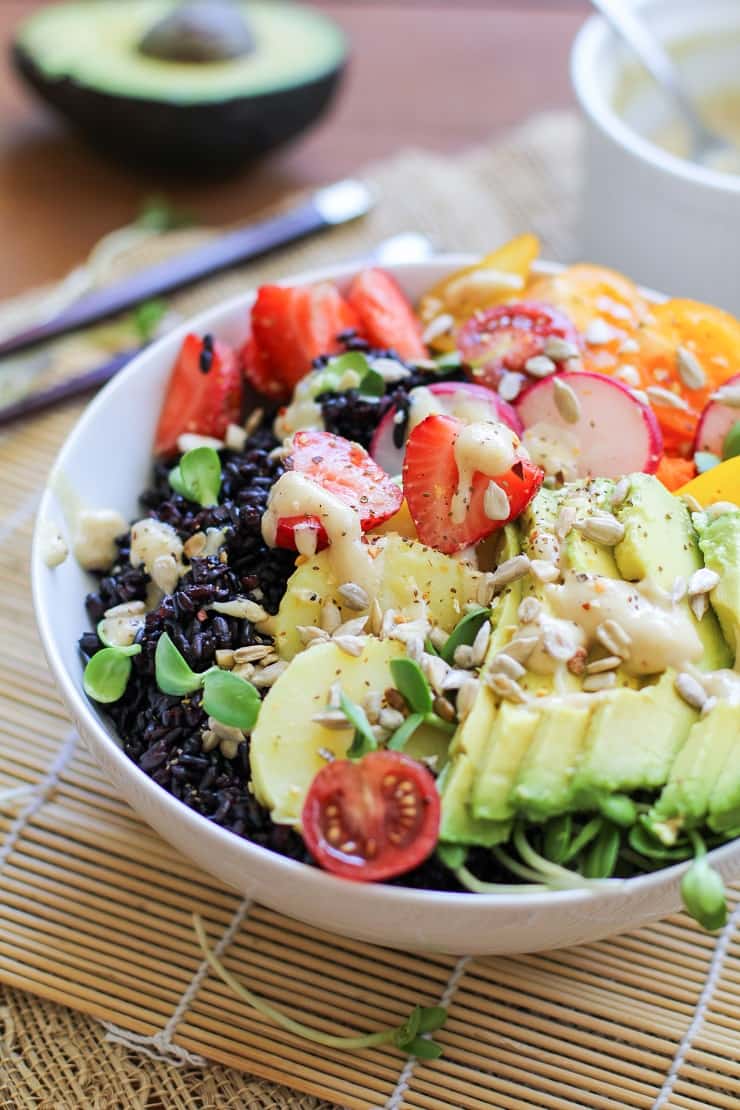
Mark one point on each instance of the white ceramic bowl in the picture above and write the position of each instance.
(666, 222)
(106, 462)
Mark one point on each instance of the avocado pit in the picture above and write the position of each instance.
(200, 31)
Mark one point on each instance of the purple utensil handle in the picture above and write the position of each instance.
(63, 391)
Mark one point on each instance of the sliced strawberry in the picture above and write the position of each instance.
(204, 394)
(346, 470)
(387, 319)
(291, 326)
(430, 480)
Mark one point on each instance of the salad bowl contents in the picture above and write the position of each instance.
(431, 601)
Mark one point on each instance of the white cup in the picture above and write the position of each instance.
(665, 222)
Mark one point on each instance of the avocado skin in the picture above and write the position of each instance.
(199, 139)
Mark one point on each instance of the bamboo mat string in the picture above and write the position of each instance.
(395, 1102)
(714, 973)
(159, 1046)
(38, 795)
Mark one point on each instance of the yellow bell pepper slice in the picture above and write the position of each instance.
(721, 483)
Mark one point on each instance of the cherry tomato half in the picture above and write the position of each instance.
(507, 336)
(372, 819)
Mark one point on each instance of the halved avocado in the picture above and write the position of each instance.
(199, 85)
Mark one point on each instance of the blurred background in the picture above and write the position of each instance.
(437, 74)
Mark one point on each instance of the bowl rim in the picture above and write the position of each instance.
(589, 42)
(88, 721)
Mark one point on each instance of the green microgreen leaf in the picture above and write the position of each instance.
(200, 475)
(107, 673)
(731, 445)
(172, 673)
(601, 858)
(452, 855)
(363, 740)
(556, 839)
(702, 889)
(231, 699)
(328, 379)
(432, 1018)
(176, 482)
(706, 460)
(450, 360)
(404, 732)
(429, 647)
(407, 1032)
(158, 214)
(620, 809)
(365, 1040)
(147, 318)
(464, 632)
(588, 833)
(642, 841)
(412, 683)
(372, 385)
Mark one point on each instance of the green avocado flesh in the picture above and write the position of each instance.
(556, 755)
(96, 44)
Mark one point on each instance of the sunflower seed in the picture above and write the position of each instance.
(641, 396)
(629, 347)
(253, 421)
(195, 545)
(509, 571)
(601, 528)
(272, 657)
(439, 637)
(621, 491)
(436, 670)
(308, 633)
(692, 692)
(415, 648)
(592, 683)
(463, 656)
(208, 740)
(126, 609)
(613, 637)
(331, 718)
(564, 523)
(372, 704)
(244, 670)
(599, 666)
(495, 503)
(350, 645)
(353, 627)
(225, 732)
(546, 547)
(540, 366)
(440, 325)
(190, 441)
(242, 608)
(510, 385)
(331, 617)
(728, 395)
(443, 708)
(505, 664)
(678, 593)
(521, 647)
(354, 596)
(566, 401)
(702, 581)
(628, 374)
(690, 370)
(480, 643)
(529, 610)
(269, 675)
(599, 332)
(658, 395)
(560, 349)
(375, 618)
(544, 571)
(505, 687)
(165, 573)
(699, 605)
(454, 679)
(225, 658)
(381, 734)
(236, 437)
(466, 696)
(690, 502)
(391, 719)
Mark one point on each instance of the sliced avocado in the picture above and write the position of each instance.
(696, 772)
(580, 553)
(724, 802)
(632, 740)
(660, 544)
(505, 748)
(127, 75)
(458, 823)
(543, 784)
(719, 541)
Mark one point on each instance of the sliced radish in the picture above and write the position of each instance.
(463, 400)
(613, 432)
(716, 421)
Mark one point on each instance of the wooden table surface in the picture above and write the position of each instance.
(442, 74)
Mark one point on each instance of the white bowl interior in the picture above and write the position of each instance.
(105, 463)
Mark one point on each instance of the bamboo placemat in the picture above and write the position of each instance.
(95, 910)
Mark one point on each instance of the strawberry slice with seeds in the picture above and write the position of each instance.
(204, 393)
(387, 320)
(291, 326)
(431, 478)
(345, 470)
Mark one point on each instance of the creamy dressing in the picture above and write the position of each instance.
(460, 404)
(303, 411)
(559, 640)
(662, 634)
(724, 684)
(488, 448)
(554, 448)
(296, 495)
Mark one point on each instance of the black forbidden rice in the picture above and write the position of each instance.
(162, 734)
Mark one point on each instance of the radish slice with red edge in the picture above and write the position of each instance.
(463, 400)
(716, 421)
(614, 433)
